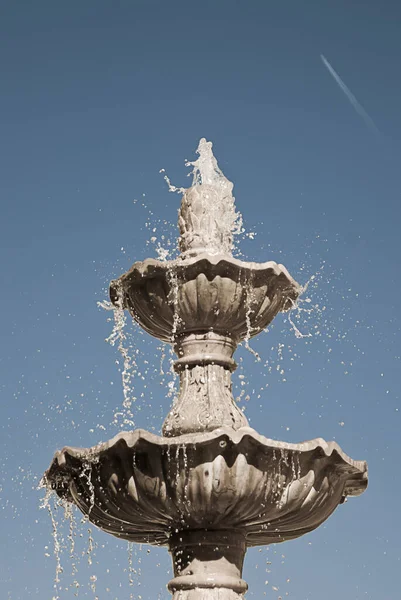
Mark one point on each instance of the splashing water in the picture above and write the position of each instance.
(208, 219)
(134, 572)
(72, 532)
(87, 473)
(131, 570)
(46, 503)
(118, 336)
(298, 308)
(173, 297)
(210, 197)
(206, 170)
(248, 300)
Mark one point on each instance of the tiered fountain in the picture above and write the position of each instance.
(210, 486)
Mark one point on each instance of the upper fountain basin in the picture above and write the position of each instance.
(142, 487)
(204, 293)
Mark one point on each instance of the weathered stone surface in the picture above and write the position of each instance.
(144, 488)
(205, 401)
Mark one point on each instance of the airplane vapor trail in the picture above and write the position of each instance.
(359, 109)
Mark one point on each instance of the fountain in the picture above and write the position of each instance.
(210, 486)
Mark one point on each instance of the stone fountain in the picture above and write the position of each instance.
(211, 486)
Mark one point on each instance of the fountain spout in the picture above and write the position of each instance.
(207, 219)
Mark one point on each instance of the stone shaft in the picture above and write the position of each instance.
(208, 565)
(205, 401)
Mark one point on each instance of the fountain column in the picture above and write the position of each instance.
(205, 401)
(208, 564)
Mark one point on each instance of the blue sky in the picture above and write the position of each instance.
(96, 98)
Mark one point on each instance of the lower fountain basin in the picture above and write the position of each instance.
(144, 488)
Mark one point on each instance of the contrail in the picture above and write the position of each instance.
(359, 109)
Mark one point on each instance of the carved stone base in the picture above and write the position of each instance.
(208, 565)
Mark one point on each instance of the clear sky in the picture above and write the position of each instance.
(98, 96)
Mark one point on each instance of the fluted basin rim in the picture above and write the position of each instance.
(132, 437)
(150, 267)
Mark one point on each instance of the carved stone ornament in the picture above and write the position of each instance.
(200, 222)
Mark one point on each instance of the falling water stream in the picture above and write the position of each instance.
(47, 504)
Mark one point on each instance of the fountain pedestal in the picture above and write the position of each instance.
(208, 560)
(211, 486)
(205, 401)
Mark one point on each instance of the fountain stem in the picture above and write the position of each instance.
(208, 565)
(205, 401)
